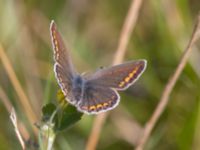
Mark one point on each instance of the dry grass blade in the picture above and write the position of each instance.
(168, 88)
(13, 118)
(22, 96)
(5, 100)
(128, 128)
(128, 26)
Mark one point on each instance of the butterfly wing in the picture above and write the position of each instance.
(100, 93)
(98, 99)
(119, 77)
(63, 67)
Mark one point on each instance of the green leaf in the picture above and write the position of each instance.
(65, 116)
(69, 116)
(47, 111)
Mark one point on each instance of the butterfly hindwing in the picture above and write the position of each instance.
(119, 77)
(98, 99)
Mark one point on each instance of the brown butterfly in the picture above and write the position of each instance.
(94, 93)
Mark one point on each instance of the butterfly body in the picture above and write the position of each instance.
(78, 88)
(95, 93)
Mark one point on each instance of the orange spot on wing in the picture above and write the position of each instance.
(127, 79)
(121, 84)
(99, 106)
(105, 104)
(92, 107)
(131, 74)
(135, 71)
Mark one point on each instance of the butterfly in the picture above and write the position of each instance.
(95, 93)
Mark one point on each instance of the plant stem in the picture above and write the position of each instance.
(47, 136)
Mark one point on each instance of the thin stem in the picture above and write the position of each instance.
(169, 87)
(127, 29)
(20, 129)
(47, 134)
(47, 137)
(13, 118)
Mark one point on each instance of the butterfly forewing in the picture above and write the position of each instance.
(61, 53)
(120, 76)
(63, 67)
(65, 83)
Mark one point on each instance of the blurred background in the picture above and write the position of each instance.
(91, 29)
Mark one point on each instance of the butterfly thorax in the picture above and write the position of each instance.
(78, 87)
